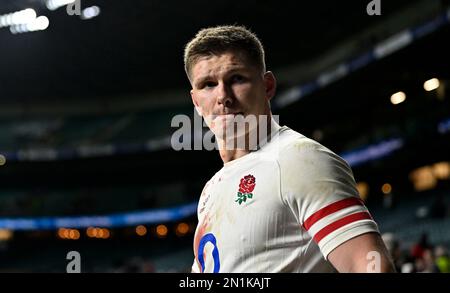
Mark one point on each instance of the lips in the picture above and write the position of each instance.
(215, 121)
(228, 115)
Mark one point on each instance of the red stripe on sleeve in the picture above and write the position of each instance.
(332, 208)
(340, 223)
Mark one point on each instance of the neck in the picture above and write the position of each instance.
(228, 154)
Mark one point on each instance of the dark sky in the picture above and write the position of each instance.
(136, 46)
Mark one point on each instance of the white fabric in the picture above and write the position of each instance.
(294, 178)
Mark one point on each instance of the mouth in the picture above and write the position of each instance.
(228, 115)
(221, 122)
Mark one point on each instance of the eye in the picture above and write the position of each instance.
(237, 78)
(209, 84)
(206, 84)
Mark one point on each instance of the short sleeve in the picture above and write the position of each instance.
(319, 188)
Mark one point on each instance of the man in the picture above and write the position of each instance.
(282, 204)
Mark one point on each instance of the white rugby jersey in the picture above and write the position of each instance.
(282, 208)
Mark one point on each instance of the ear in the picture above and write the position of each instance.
(270, 83)
(195, 102)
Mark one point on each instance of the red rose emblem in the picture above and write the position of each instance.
(247, 184)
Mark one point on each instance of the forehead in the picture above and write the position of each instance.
(217, 64)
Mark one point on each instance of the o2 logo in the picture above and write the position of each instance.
(215, 254)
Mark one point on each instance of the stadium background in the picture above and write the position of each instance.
(86, 105)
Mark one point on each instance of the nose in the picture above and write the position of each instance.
(224, 95)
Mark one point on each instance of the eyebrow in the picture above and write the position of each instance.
(231, 71)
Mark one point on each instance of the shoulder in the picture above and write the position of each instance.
(305, 163)
(298, 152)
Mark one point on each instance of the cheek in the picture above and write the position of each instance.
(205, 101)
(250, 95)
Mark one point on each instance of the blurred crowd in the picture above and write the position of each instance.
(421, 257)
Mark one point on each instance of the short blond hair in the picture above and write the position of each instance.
(220, 39)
